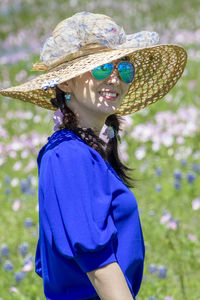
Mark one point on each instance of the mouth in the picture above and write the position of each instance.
(109, 96)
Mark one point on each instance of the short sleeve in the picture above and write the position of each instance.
(76, 205)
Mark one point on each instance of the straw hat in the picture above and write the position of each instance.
(87, 40)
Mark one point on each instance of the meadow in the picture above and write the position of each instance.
(160, 142)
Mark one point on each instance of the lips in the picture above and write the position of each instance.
(109, 97)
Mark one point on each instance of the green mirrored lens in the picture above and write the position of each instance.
(103, 71)
(126, 71)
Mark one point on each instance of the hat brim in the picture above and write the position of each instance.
(157, 69)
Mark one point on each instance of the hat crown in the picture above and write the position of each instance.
(79, 30)
(72, 34)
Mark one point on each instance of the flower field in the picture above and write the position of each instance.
(161, 143)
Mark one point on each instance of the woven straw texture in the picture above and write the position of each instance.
(157, 69)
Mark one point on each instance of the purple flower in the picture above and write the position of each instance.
(183, 162)
(23, 249)
(173, 224)
(25, 184)
(7, 191)
(152, 269)
(8, 266)
(177, 184)
(19, 276)
(28, 222)
(28, 258)
(158, 188)
(192, 237)
(196, 168)
(158, 171)
(58, 119)
(31, 192)
(5, 251)
(165, 217)
(162, 272)
(177, 174)
(190, 177)
(7, 179)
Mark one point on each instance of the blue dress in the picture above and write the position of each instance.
(88, 218)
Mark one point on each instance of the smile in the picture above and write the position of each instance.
(109, 96)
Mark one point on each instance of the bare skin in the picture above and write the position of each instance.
(90, 107)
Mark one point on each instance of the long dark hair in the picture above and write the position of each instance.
(108, 151)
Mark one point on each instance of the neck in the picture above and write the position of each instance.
(93, 122)
(94, 128)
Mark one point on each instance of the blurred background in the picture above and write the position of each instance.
(161, 143)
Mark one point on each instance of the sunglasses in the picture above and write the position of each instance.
(126, 71)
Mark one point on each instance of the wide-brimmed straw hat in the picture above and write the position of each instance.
(87, 40)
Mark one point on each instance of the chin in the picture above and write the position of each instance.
(111, 110)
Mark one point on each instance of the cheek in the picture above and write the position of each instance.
(125, 88)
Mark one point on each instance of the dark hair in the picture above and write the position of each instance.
(108, 151)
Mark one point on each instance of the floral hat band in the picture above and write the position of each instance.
(83, 34)
(86, 41)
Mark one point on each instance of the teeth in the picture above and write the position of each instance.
(108, 94)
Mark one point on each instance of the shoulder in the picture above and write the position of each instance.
(66, 146)
(65, 143)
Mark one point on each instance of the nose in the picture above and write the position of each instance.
(114, 77)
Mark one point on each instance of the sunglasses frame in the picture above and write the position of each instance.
(114, 67)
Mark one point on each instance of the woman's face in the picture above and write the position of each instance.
(85, 92)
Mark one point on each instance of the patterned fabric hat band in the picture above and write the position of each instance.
(87, 40)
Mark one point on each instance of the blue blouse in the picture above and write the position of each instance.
(88, 218)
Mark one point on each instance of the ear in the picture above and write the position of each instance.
(64, 86)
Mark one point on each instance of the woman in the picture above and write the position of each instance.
(90, 242)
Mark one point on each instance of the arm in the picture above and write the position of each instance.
(110, 283)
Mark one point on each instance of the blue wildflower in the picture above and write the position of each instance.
(7, 192)
(19, 276)
(158, 188)
(28, 222)
(5, 251)
(177, 184)
(152, 269)
(158, 171)
(8, 266)
(23, 249)
(183, 162)
(31, 192)
(28, 259)
(7, 179)
(25, 184)
(190, 177)
(177, 174)
(196, 168)
(162, 272)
